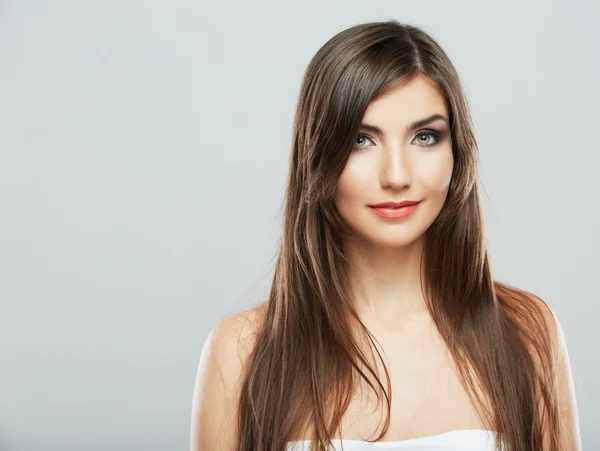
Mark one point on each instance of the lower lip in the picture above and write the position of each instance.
(395, 212)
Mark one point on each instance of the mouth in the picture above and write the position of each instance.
(395, 205)
(393, 211)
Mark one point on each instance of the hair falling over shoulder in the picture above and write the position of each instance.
(306, 361)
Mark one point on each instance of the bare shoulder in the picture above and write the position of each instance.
(233, 337)
(555, 330)
(218, 380)
(564, 385)
(520, 304)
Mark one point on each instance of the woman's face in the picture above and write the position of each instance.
(396, 164)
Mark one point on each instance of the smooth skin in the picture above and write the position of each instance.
(399, 163)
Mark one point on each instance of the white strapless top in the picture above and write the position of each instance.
(459, 440)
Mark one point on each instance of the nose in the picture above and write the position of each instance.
(395, 169)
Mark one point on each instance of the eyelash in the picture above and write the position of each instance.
(436, 135)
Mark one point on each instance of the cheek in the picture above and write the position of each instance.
(431, 175)
(354, 180)
(437, 174)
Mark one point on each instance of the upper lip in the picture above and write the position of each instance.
(404, 203)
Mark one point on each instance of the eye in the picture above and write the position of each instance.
(362, 135)
(429, 133)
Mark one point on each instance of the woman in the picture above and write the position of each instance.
(383, 322)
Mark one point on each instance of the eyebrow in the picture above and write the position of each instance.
(413, 126)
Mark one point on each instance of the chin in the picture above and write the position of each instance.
(395, 243)
(391, 239)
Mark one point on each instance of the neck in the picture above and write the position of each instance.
(386, 282)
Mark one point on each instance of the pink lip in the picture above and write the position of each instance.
(404, 203)
(395, 212)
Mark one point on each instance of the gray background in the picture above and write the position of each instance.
(144, 149)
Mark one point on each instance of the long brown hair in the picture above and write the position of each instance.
(305, 360)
